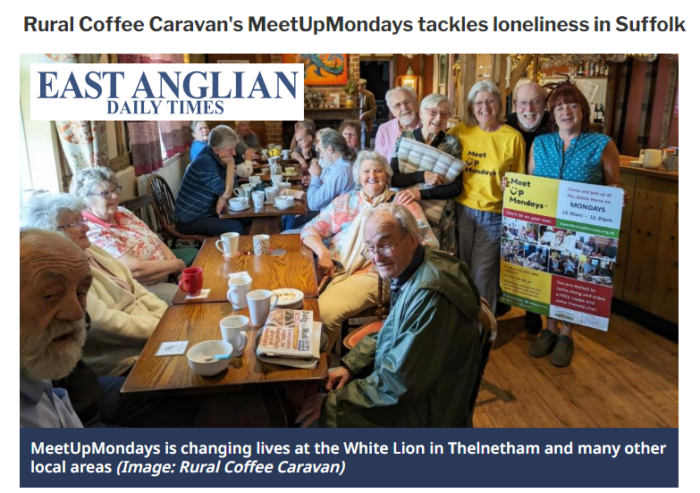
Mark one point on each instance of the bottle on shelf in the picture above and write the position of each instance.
(586, 70)
(602, 113)
(580, 70)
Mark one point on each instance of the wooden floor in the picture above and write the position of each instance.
(627, 377)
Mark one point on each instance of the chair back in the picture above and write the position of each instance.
(164, 208)
(489, 331)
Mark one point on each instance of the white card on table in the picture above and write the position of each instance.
(172, 348)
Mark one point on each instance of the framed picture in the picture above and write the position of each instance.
(411, 81)
(334, 101)
(330, 69)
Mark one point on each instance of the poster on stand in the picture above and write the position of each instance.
(559, 243)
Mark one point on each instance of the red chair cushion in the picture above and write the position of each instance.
(355, 337)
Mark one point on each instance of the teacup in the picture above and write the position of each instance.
(238, 204)
(238, 288)
(228, 244)
(277, 179)
(271, 193)
(283, 185)
(284, 201)
(254, 180)
(290, 170)
(259, 304)
(243, 191)
(233, 331)
(258, 199)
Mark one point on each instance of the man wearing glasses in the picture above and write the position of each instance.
(421, 368)
(403, 104)
(531, 119)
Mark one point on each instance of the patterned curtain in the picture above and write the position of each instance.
(84, 143)
(144, 136)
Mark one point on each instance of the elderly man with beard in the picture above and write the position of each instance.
(422, 367)
(403, 104)
(531, 119)
(55, 277)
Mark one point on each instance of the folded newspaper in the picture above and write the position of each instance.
(290, 338)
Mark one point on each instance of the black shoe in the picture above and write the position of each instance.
(563, 351)
(533, 323)
(543, 345)
(501, 309)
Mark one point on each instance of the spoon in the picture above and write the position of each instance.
(218, 357)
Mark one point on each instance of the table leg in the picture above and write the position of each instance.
(265, 225)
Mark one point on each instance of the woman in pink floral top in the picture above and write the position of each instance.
(123, 235)
(336, 237)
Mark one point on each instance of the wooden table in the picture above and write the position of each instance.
(266, 220)
(265, 169)
(294, 269)
(198, 323)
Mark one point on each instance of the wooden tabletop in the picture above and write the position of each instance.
(198, 323)
(268, 210)
(293, 269)
(264, 168)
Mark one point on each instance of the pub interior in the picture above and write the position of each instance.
(194, 284)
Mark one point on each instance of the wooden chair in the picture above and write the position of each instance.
(372, 320)
(164, 208)
(489, 331)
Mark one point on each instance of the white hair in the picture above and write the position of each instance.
(402, 216)
(85, 180)
(221, 135)
(411, 93)
(43, 209)
(435, 100)
(483, 86)
(374, 157)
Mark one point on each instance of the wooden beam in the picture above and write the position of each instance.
(468, 78)
(518, 72)
(669, 104)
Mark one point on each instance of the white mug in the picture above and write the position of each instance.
(276, 179)
(244, 190)
(653, 158)
(285, 154)
(271, 193)
(228, 244)
(238, 289)
(254, 180)
(258, 199)
(261, 244)
(233, 331)
(259, 304)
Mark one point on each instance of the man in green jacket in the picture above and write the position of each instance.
(421, 368)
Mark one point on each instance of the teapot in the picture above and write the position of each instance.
(245, 169)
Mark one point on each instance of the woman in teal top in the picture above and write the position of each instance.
(572, 152)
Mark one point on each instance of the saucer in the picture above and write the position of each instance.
(289, 298)
(239, 210)
(636, 163)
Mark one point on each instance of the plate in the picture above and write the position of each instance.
(289, 298)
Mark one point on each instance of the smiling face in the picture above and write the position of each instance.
(373, 178)
(530, 106)
(73, 226)
(569, 117)
(104, 200)
(403, 106)
(435, 119)
(201, 132)
(485, 108)
(54, 281)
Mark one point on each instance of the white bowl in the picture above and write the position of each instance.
(284, 185)
(284, 202)
(198, 353)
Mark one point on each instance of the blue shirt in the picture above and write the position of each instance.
(204, 182)
(196, 148)
(337, 180)
(42, 406)
(582, 162)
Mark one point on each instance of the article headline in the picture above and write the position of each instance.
(336, 24)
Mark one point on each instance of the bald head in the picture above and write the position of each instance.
(392, 233)
(55, 278)
(529, 104)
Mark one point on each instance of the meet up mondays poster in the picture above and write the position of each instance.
(559, 244)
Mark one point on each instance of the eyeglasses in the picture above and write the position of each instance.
(489, 102)
(405, 102)
(385, 251)
(107, 193)
(76, 224)
(433, 112)
(537, 102)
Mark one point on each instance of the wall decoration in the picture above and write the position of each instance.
(321, 69)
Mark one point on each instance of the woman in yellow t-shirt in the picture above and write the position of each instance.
(490, 149)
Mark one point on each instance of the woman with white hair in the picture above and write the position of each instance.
(435, 111)
(336, 237)
(489, 149)
(124, 236)
(200, 138)
(123, 314)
